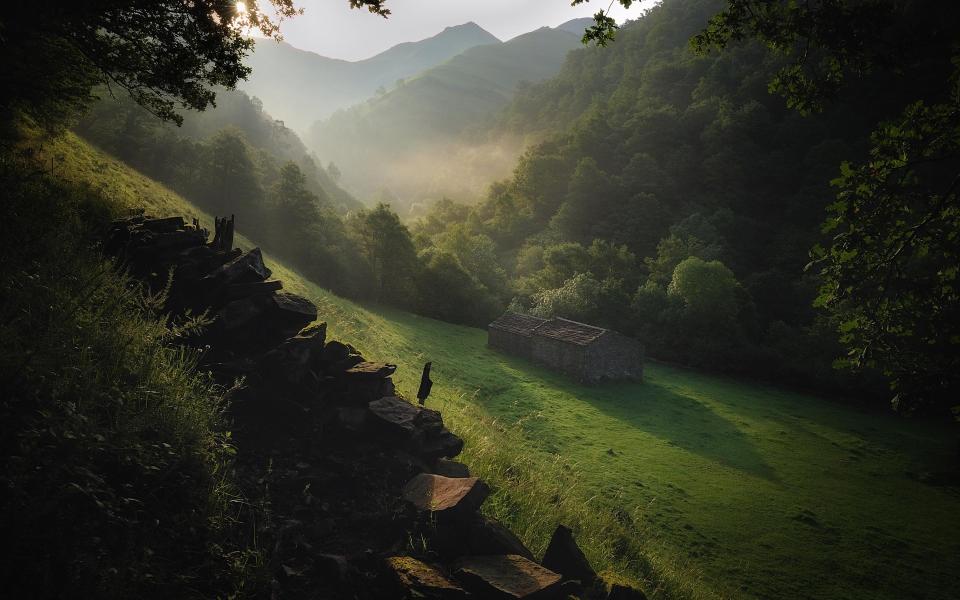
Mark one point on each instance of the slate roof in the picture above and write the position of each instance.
(517, 323)
(571, 332)
(564, 330)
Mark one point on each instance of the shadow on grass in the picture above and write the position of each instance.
(680, 421)
(461, 360)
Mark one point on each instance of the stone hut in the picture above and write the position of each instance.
(587, 353)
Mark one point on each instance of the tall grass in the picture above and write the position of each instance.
(113, 449)
(533, 492)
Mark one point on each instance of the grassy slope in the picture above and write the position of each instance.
(763, 492)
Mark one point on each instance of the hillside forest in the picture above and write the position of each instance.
(672, 197)
(762, 193)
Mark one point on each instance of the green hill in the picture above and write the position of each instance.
(706, 487)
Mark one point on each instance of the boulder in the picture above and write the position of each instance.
(239, 313)
(450, 468)
(289, 313)
(264, 321)
(235, 291)
(165, 225)
(445, 496)
(335, 351)
(622, 592)
(351, 418)
(439, 445)
(565, 557)
(421, 429)
(395, 416)
(370, 370)
(246, 268)
(294, 360)
(489, 536)
(507, 577)
(420, 580)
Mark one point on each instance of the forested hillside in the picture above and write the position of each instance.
(300, 87)
(415, 140)
(676, 198)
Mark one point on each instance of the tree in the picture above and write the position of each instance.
(890, 274)
(890, 270)
(228, 181)
(388, 248)
(708, 289)
(577, 298)
(164, 53)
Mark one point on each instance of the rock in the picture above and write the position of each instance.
(565, 557)
(316, 333)
(445, 496)
(439, 445)
(338, 367)
(246, 268)
(364, 381)
(622, 592)
(294, 360)
(163, 225)
(489, 536)
(507, 577)
(239, 313)
(291, 312)
(334, 569)
(155, 250)
(450, 468)
(370, 370)
(335, 351)
(242, 290)
(395, 416)
(420, 428)
(420, 580)
(351, 418)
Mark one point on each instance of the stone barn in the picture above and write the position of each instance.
(587, 353)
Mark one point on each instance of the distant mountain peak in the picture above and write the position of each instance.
(467, 25)
(576, 26)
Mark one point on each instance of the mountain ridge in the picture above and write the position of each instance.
(299, 86)
(423, 121)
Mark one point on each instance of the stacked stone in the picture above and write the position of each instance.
(352, 472)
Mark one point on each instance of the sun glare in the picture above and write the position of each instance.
(241, 7)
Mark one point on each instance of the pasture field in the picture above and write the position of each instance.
(697, 485)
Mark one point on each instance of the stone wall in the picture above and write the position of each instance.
(569, 359)
(614, 357)
(349, 472)
(509, 343)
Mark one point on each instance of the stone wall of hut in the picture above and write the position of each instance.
(564, 357)
(614, 357)
(509, 342)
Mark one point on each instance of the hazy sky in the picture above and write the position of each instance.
(330, 28)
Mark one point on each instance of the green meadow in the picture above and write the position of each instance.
(696, 485)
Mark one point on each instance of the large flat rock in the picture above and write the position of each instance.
(246, 268)
(370, 370)
(507, 577)
(396, 415)
(445, 495)
(420, 580)
(421, 429)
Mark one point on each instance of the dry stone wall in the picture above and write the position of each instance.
(356, 491)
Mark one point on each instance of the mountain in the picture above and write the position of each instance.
(418, 135)
(300, 87)
(576, 26)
